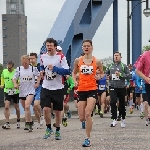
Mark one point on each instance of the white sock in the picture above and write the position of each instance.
(131, 103)
(141, 107)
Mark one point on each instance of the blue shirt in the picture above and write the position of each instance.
(143, 86)
(102, 84)
(137, 81)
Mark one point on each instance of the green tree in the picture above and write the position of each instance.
(146, 48)
(1, 69)
(104, 68)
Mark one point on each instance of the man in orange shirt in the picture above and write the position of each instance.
(87, 87)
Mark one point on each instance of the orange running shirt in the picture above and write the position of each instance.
(87, 75)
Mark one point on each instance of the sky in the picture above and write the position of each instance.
(41, 15)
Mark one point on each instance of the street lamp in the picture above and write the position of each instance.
(146, 12)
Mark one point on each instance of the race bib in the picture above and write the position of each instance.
(27, 79)
(114, 77)
(102, 87)
(50, 75)
(86, 69)
(11, 91)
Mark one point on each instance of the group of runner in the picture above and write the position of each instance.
(46, 86)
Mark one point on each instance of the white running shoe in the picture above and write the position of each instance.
(38, 126)
(113, 123)
(18, 125)
(123, 123)
(6, 126)
(41, 120)
(147, 122)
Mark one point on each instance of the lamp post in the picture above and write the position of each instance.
(128, 32)
(146, 12)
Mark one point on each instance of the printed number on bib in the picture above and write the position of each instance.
(115, 77)
(11, 91)
(50, 75)
(27, 79)
(101, 87)
(86, 69)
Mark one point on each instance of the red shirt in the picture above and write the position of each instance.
(143, 63)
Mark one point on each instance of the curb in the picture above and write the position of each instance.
(22, 119)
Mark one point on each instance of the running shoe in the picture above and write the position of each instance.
(86, 143)
(57, 135)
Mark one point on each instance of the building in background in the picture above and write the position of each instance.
(14, 27)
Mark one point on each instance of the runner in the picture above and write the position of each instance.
(131, 89)
(102, 94)
(36, 100)
(87, 87)
(53, 67)
(26, 75)
(76, 92)
(10, 94)
(117, 73)
(138, 90)
(143, 70)
(68, 86)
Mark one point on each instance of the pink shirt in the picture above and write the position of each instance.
(143, 63)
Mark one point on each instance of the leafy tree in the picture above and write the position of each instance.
(1, 69)
(146, 48)
(104, 68)
(107, 61)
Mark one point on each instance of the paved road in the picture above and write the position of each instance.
(134, 137)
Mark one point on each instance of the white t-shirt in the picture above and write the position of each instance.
(27, 80)
(52, 80)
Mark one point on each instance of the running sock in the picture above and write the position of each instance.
(57, 128)
(131, 103)
(92, 114)
(49, 126)
(18, 120)
(141, 107)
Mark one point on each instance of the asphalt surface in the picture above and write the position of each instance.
(103, 137)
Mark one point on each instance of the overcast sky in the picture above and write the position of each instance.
(41, 14)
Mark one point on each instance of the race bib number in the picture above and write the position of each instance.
(27, 79)
(50, 75)
(11, 91)
(114, 77)
(102, 87)
(86, 69)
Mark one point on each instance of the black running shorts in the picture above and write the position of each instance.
(14, 98)
(84, 95)
(52, 96)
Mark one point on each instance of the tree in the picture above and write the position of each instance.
(146, 48)
(104, 68)
(1, 69)
(107, 61)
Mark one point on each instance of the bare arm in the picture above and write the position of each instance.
(75, 69)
